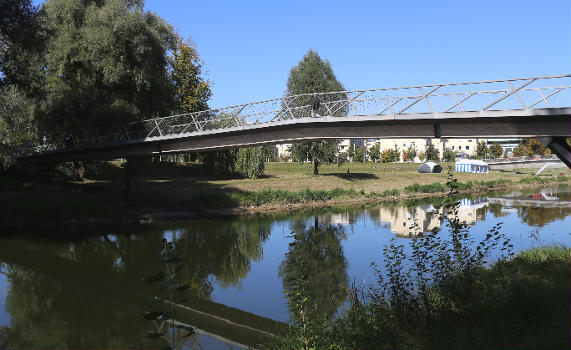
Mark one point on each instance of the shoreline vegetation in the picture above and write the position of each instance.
(182, 191)
(447, 301)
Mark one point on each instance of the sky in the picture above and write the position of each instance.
(249, 47)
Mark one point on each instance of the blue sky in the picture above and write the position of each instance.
(249, 47)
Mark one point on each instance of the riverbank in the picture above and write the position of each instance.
(518, 302)
(180, 191)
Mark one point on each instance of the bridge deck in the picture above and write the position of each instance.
(506, 123)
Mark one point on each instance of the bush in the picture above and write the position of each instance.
(431, 188)
(250, 162)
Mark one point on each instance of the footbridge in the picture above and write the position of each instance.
(523, 107)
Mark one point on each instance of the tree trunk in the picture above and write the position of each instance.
(315, 169)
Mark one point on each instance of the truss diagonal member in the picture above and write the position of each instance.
(284, 109)
(420, 98)
(390, 106)
(425, 99)
(509, 94)
(517, 95)
(544, 98)
(460, 102)
(352, 100)
(239, 111)
(155, 128)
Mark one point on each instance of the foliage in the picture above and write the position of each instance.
(220, 162)
(351, 152)
(358, 154)
(529, 147)
(22, 41)
(314, 75)
(442, 291)
(250, 162)
(482, 150)
(16, 124)
(268, 153)
(287, 197)
(448, 155)
(542, 180)
(390, 155)
(409, 154)
(192, 92)
(318, 152)
(431, 153)
(496, 150)
(421, 156)
(375, 152)
(106, 62)
(433, 187)
(386, 193)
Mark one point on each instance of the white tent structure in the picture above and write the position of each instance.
(471, 166)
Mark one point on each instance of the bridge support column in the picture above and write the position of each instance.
(558, 146)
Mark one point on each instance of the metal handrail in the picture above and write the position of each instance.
(435, 98)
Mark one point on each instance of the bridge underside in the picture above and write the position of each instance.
(548, 122)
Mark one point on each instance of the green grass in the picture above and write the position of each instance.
(285, 197)
(430, 188)
(542, 180)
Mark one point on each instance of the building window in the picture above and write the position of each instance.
(404, 224)
(452, 147)
(467, 147)
(469, 140)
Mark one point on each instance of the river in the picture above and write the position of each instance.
(90, 291)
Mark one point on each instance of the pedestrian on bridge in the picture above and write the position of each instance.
(315, 106)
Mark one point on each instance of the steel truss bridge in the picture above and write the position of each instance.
(523, 107)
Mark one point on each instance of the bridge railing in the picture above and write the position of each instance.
(521, 159)
(521, 93)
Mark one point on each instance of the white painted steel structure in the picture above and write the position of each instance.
(493, 98)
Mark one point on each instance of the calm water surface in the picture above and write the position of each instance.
(87, 292)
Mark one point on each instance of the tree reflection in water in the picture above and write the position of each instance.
(57, 312)
(316, 258)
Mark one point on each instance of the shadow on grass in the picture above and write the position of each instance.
(353, 176)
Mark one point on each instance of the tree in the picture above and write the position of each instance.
(192, 92)
(431, 153)
(358, 154)
(316, 151)
(448, 155)
(250, 162)
(313, 75)
(351, 152)
(421, 156)
(409, 154)
(22, 40)
(496, 150)
(521, 150)
(535, 146)
(482, 150)
(375, 152)
(17, 127)
(106, 63)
